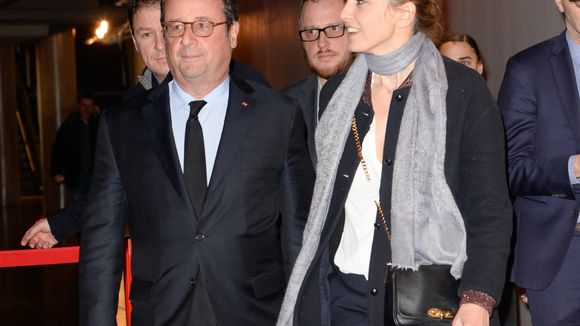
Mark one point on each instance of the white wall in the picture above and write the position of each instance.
(504, 27)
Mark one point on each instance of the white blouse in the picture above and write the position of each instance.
(353, 255)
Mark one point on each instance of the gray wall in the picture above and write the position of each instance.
(504, 27)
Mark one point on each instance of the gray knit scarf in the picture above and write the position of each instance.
(427, 227)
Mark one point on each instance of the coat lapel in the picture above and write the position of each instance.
(240, 114)
(308, 103)
(157, 116)
(565, 83)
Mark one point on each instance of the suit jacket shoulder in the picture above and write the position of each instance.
(540, 51)
(301, 86)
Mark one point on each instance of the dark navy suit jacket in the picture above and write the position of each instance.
(541, 111)
(230, 262)
(305, 93)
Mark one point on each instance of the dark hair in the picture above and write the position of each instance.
(135, 5)
(429, 17)
(299, 12)
(465, 38)
(230, 10)
(85, 94)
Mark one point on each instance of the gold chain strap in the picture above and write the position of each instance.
(358, 146)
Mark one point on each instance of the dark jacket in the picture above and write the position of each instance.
(475, 171)
(67, 220)
(305, 92)
(228, 264)
(67, 149)
(541, 111)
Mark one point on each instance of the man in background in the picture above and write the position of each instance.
(539, 100)
(325, 44)
(74, 146)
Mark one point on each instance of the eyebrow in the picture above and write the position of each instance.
(465, 58)
(325, 26)
(197, 18)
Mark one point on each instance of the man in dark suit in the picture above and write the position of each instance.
(539, 99)
(326, 50)
(211, 254)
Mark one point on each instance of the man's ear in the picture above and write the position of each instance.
(234, 30)
(559, 5)
(134, 42)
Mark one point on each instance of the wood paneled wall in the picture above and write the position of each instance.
(9, 158)
(57, 92)
(269, 40)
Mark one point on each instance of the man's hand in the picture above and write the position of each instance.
(39, 236)
(59, 178)
(577, 165)
(470, 314)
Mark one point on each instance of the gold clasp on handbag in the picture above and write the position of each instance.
(440, 313)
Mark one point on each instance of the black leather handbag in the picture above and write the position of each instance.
(428, 296)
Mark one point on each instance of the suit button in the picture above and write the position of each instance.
(377, 225)
(374, 292)
(574, 212)
(399, 97)
(199, 236)
(193, 282)
(388, 162)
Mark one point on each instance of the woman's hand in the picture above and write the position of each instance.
(470, 314)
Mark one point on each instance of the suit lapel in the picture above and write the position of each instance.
(565, 83)
(308, 103)
(157, 116)
(240, 114)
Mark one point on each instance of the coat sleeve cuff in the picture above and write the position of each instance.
(479, 298)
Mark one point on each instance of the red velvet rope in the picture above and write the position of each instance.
(38, 257)
(63, 255)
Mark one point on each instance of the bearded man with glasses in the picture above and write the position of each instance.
(325, 45)
(213, 178)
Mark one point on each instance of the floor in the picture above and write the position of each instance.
(40, 296)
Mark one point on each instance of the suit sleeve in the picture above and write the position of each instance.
(298, 184)
(484, 197)
(59, 149)
(528, 176)
(67, 221)
(101, 256)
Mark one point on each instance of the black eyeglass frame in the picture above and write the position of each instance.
(323, 30)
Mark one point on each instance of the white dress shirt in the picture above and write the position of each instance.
(211, 118)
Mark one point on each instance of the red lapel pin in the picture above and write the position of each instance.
(244, 104)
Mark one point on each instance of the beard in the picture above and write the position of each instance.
(327, 73)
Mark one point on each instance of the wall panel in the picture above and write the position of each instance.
(269, 40)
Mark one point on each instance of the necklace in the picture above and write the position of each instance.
(368, 177)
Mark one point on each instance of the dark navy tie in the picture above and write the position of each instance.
(194, 158)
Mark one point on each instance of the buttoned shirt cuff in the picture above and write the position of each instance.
(571, 174)
(479, 298)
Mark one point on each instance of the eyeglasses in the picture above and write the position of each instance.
(203, 28)
(313, 34)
